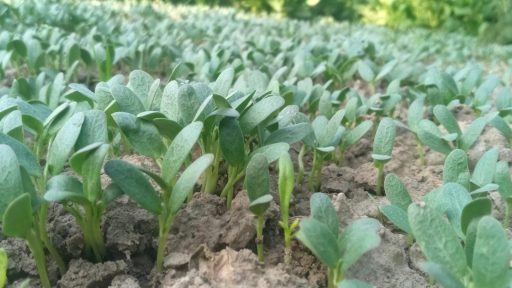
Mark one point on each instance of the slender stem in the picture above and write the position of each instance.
(506, 220)
(287, 246)
(316, 171)
(38, 253)
(212, 175)
(164, 224)
(43, 234)
(380, 177)
(300, 160)
(421, 152)
(228, 191)
(259, 237)
(330, 278)
(93, 237)
(341, 155)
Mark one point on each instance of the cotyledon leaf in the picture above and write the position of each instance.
(135, 184)
(179, 150)
(259, 112)
(437, 239)
(63, 143)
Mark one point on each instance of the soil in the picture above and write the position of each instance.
(211, 246)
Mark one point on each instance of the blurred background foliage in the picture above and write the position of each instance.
(489, 19)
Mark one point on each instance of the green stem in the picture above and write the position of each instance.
(93, 237)
(421, 152)
(228, 191)
(341, 155)
(316, 171)
(212, 175)
(43, 234)
(380, 177)
(287, 246)
(506, 220)
(330, 278)
(259, 237)
(164, 227)
(300, 160)
(38, 253)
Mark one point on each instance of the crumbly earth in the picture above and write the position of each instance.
(211, 246)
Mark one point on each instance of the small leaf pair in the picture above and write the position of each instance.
(431, 135)
(483, 260)
(338, 251)
(382, 148)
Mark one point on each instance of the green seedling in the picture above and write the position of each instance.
(383, 105)
(257, 183)
(286, 187)
(338, 251)
(481, 260)
(4, 261)
(85, 133)
(104, 56)
(234, 150)
(85, 200)
(326, 135)
(456, 170)
(19, 219)
(351, 137)
(134, 182)
(399, 199)
(382, 147)
(414, 116)
(430, 135)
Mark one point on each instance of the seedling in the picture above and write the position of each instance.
(234, 151)
(338, 251)
(286, 187)
(326, 135)
(351, 137)
(479, 262)
(400, 199)
(430, 135)
(382, 148)
(18, 217)
(85, 200)
(85, 132)
(257, 184)
(414, 116)
(134, 182)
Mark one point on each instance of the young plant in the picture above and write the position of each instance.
(134, 182)
(18, 216)
(430, 135)
(338, 251)
(286, 187)
(326, 135)
(351, 137)
(85, 133)
(414, 116)
(257, 183)
(235, 153)
(399, 199)
(382, 147)
(85, 200)
(482, 259)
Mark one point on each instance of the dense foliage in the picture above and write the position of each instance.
(217, 99)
